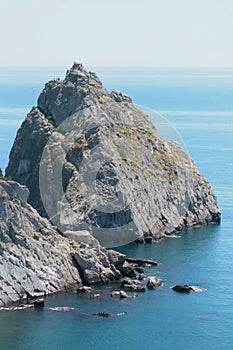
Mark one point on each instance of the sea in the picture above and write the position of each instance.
(198, 104)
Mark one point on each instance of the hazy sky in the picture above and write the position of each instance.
(116, 32)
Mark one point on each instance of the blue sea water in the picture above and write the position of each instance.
(199, 103)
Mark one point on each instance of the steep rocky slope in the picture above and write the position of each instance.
(33, 257)
(94, 161)
(37, 260)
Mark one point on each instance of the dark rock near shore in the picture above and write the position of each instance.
(38, 304)
(132, 285)
(148, 239)
(95, 296)
(123, 295)
(94, 265)
(154, 282)
(103, 314)
(117, 259)
(128, 270)
(84, 289)
(139, 270)
(142, 262)
(183, 289)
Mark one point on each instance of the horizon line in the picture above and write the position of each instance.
(119, 67)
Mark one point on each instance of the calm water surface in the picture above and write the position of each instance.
(199, 103)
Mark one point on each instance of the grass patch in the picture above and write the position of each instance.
(36, 236)
(51, 84)
(122, 153)
(51, 121)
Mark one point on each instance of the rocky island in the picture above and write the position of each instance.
(89, 170)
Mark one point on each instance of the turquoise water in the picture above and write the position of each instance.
(199, 103)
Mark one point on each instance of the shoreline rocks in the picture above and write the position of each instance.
(36, 260)
(142, 262)
(94, 265)
(154, 282)
(132, 285)
(39, 303)
(84, 289)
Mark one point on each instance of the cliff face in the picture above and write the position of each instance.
(36, 260)
(33, 257)
(94, 161)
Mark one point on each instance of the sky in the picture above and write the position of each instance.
(107, 33)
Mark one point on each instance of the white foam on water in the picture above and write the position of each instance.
(198, 289)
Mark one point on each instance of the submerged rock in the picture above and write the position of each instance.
(123, 295)
(62, 308)
(103, 314)
(95, 296)
(142, 262)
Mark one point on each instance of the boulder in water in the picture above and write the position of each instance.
(153, 282)
(132, 285)
(183, 289)
(39, 303)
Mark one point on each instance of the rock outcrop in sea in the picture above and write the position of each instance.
(93, 161)
(89, 170)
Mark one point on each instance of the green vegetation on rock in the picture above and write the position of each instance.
(51, 120)
(122, 153)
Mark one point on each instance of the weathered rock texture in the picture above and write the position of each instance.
(153, 282)
(95, 266)
(162, 190)
(35, 259)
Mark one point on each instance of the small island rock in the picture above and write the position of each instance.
(153, 282)
(183, 289)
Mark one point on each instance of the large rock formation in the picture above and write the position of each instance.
(93, 161)
(35, 259)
